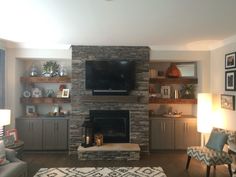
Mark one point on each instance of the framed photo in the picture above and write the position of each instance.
(65, 93)
(230, 60)
(30, 110)
(14, 133)
(230, 80)
(228, 102)
(165, 91)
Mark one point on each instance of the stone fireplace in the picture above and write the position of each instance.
(135, 105)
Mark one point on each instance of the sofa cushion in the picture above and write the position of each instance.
(217, 141)
(3, 159)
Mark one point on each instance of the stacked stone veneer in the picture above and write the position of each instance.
(139, 119)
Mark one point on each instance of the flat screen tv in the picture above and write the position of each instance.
(107, 77)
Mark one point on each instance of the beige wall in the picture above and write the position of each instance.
(224, 118)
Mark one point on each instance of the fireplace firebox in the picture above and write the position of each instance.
(113, 124)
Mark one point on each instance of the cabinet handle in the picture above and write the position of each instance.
(184, 127)
(164, 126)
(55, 126)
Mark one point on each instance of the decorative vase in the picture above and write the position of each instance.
(173, 71)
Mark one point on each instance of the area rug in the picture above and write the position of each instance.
(102, 172)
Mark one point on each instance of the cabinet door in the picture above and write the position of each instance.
(186, 133)
(55, 134)
(30, 131)
(162, 134)
(62, 134)
(193, 138)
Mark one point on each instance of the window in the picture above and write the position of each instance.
(2, 78)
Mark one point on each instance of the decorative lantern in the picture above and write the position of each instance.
(98, 137)
(87, 133)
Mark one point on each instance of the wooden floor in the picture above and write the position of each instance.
(173, 163)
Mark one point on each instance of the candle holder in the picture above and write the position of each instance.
(87, 133)
(98, 137)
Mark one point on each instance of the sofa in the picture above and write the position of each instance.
(15, 167)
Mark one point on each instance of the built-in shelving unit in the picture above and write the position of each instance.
(172, 125)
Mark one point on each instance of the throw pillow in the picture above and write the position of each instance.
(217, 141)
(3, 159)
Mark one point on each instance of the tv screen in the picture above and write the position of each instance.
(110, 76)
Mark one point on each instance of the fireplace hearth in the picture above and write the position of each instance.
(113, 124)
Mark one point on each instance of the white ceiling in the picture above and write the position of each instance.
(156, 23)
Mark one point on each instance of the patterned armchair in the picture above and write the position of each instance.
(212, 154)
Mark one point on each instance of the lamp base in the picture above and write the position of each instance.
(2, 131)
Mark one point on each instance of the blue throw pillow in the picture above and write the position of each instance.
(217, 141)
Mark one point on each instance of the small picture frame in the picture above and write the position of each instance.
(30, 110)
(14, 133)
(228, 102)
(230, 80)
(230, 60)
(65, 93)
(165, 91)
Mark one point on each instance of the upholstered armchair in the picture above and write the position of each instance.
(15, 167)
(212, 153)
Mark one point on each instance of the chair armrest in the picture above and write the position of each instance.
(11, 155)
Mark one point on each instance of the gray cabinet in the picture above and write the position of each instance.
(174, 133)
(55, 134)
(30, 131)
(162, 134)
(43, 133)
(186, 133)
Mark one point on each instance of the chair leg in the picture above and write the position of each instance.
(188, 161)
(230, 170)
(208, 171)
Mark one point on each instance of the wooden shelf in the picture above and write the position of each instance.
(172, 101)
(44, 100)
(63, 79)
(110, 99)
(181, 80)
(182, 116)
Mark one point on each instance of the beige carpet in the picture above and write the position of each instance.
(102, 172)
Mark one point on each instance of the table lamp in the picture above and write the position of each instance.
(5, 119)
(204, 114)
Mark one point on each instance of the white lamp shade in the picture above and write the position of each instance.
(5, 117)
(204, 113)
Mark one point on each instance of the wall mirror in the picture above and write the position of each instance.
(187, 69)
